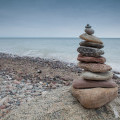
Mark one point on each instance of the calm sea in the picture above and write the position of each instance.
(63, 49)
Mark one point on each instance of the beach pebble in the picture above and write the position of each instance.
(90, 38)
(97, 76)
(44, 93)
(16, 82)
(39, 71)
(95, 97)
(2, 106)
(88, 29)
(94, 67)
(91, 44)
(115, 76)
(37, 93)
(91, 59)
(29, 87)
(116, 72)
(17, 102)
(90, 52)
(82, 83)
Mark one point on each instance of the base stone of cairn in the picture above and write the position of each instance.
(95, 87)
(95, 97)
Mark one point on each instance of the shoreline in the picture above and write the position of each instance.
(24, 78)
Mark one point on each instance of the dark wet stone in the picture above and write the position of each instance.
(89, 51)
(91, 44)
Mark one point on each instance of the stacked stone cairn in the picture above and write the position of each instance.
(95, 87)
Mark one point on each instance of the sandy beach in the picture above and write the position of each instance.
(24, 78)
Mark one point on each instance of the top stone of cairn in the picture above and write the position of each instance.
(88, 35)
(89, 30)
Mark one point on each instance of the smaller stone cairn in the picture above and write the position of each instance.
(95, 87)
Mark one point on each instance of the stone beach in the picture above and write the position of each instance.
(24, 79)
(59, 104)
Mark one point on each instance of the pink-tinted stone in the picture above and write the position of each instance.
(94, 67)
(91, 59)
(81, 83)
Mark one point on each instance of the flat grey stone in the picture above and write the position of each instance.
(97, 76)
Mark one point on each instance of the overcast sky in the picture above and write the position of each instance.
(59, 18)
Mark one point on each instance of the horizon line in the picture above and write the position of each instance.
(53, 37)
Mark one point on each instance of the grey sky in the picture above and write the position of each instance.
(59, 18)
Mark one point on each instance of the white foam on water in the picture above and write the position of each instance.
(60, 49)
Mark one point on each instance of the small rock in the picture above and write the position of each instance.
(23, 80)
(44, 93)
(115, 76)
(53, 86)
(79, 70)
(16, 82)
(4, 101)
(29, 99)
(67, 83)
(18, 103)
(47, 76)
(116, 72)
(39, 71)
(66, 78)
(29, 87)
(2, 106)
(37, 93)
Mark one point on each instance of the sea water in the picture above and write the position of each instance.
(63, 49)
